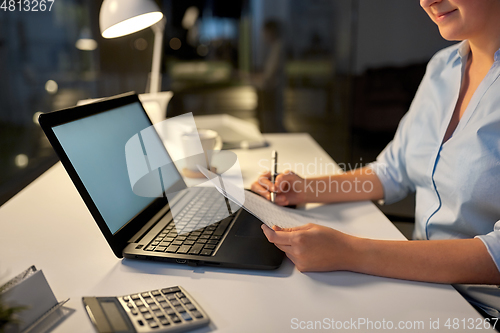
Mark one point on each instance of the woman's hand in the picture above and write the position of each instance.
(312, 247)
(290, 188)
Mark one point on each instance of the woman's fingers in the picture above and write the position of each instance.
(264, 180)
(257, 188)
(287, 182)
(285, 248)
(301, 227)
(281, 200)
(288, 187)
(277, 237)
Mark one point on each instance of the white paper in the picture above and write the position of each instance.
(266, 211)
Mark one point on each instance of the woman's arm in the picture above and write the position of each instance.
(357, 185)
(317, 248)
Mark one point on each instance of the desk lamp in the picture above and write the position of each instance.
(123, 17)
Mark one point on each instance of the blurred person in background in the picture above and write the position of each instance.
(270, 82)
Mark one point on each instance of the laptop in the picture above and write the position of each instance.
(90, 141)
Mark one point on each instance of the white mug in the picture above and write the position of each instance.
(198, 148)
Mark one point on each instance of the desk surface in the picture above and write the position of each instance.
(48, 225)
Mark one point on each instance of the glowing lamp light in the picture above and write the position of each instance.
(123, 17)
(86, 42)
(132, 25)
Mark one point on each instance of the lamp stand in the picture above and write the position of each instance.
(154, 84)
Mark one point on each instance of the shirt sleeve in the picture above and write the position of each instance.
(390, 166)
(492, 243)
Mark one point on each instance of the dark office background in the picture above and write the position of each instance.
(351, 69)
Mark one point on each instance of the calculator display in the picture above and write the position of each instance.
(114, 316)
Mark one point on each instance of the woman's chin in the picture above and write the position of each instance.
(450, 34)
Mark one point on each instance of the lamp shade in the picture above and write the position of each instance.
(122, 17)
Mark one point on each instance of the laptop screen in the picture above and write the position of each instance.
(95, 145)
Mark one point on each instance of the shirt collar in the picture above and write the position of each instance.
(464, 49)
(497, 56)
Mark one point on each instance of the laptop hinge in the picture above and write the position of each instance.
(149, 225)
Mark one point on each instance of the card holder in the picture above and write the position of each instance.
(31, 291)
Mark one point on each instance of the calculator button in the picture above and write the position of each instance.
(164, 305)
(150, 248)
(155, 293)
(175, 319)
(126, 298)
(160, 248)
(143, 309)
(186, 316)
(170, 290)
(158, 313)
(170, 311)
(160, 299)
(145, 294)
(150, 301)
(139, 303)
(175, 303)
(197, 314)
(209, 246)
(134, 312)
(180, 309)
(164, 321)
(134, 297)
(171, 298)
(154, 307)
(130, 305)
(148, 316)
(185, 301)
(153, 324)
(180, 295)
(190, 307)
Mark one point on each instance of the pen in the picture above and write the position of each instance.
(274, 165)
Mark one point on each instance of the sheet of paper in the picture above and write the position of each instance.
(269, 213)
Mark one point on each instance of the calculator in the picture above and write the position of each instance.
(162, 310)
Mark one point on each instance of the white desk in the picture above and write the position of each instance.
(48, 225)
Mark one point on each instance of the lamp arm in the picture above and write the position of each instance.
(158, 28)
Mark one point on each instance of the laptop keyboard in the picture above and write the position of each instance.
(198, 227)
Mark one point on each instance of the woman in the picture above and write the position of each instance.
(446, 149)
